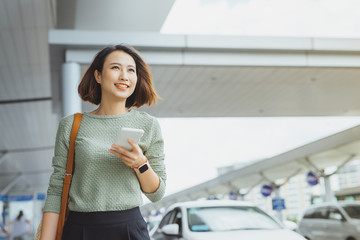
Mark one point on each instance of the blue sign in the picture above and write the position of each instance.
(312, 179)
(41, 196)
(21, 198)
(266, 190)
(233, 195)
(4, 198)
(278, 204)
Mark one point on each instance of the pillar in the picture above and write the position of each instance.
(329, 194)
(277, 195)
(70, 78)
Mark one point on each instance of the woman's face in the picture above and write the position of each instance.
(118, 78)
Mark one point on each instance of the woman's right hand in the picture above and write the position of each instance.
(49, 226)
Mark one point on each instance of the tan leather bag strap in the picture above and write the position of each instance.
(68, 175)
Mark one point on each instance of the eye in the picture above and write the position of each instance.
(131, 69)
(115, 67)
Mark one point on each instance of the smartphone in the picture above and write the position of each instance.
(134, 134)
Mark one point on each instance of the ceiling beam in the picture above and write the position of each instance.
(162, 49)
(200, 42)
(11, 184)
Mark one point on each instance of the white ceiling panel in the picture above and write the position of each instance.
(28, 162)
(27, 125)
(14, 14)
(122, 15)
(191, 91)
(27, 13)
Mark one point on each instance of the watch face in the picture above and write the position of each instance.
(143, 168)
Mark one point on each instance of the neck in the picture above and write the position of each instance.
(111, 108)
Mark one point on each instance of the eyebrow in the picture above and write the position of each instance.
(115, 63)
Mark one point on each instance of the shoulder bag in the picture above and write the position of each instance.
(67, 180)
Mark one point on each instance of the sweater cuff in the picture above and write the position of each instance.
(158, 194)
(52, 204)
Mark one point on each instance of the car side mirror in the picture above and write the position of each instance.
(171, 229)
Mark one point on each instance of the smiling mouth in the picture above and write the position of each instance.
(121, 85)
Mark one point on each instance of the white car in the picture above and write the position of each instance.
(331, 221)
(219, 220)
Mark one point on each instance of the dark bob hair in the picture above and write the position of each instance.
(144, 93)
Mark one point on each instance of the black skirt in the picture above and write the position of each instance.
(113, 225)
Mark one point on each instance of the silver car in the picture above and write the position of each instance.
(331, 221)
(219, 220)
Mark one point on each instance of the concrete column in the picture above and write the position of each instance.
(329, 194)
(277, 195)
(70, 78)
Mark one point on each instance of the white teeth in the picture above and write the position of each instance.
(121, 85)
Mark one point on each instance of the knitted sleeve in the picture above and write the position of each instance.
(155, 155)
(54, 192)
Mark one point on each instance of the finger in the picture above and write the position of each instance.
(119, 148)
(128, 161)
(112, 151)
(125, 159)
(123, 155)
(134, 145)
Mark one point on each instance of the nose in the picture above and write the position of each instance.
(123, 75)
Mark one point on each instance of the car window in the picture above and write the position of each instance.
(320, 213)
(229, 218)
(333, 210)
(166, 219)
(353, 211)
(178, 218)
(309, 213)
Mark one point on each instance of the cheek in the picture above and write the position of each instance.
(109, 75)
(134, 81)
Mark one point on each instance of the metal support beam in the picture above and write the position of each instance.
(242, 195)
(329, 194)
(265, 177)
(351, 157)
(313, 165)
(292, 175)
(3, 156)
(10, 185)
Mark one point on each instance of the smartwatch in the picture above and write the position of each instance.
(143, 167)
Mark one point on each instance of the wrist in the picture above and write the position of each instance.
(142, 167)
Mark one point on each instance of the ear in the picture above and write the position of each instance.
(97, 76)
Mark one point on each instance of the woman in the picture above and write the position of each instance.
(19, 227)
(106, 187)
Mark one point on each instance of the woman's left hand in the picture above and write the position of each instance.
(132, 158)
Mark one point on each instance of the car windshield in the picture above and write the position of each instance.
(353, 211)
(213, 219)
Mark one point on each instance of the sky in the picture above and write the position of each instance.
(196, 147)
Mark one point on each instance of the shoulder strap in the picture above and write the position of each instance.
(68, 174)
(71, 154)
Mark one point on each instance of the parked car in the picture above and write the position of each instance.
(219, 220)
(331, 221)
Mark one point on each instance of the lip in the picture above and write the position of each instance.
(120, 87)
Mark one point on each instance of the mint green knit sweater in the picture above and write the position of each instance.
(101, 181)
